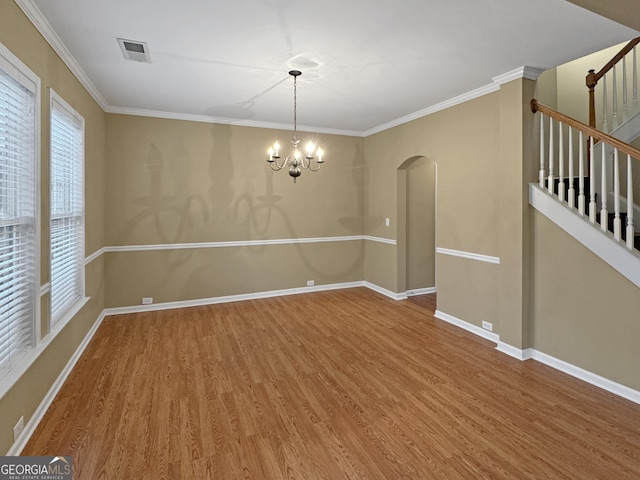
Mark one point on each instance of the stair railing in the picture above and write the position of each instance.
(609, 75)
(561, 158)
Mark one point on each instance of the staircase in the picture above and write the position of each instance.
(586, 187)
(586, 179)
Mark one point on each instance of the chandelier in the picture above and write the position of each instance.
(296, 161)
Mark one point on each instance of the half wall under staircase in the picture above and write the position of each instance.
(566, 193)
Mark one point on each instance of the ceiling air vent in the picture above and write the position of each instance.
(133, 50)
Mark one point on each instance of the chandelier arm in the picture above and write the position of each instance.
(314, 169)
(279, 166)
(305, 162)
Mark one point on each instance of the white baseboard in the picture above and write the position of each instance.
(514, 352)
(385, 292)
(39, 413)
(268, 294)
(421, 291)
(589, 377)
(531, 353)
(467, 326)
(230, 298)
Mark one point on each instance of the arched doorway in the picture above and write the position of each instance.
(417, 180)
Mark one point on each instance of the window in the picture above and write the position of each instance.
(19, 247)
(67, 207)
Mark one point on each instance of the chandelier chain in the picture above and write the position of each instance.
(295, 105)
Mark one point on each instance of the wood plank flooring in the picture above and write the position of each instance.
(331, 385)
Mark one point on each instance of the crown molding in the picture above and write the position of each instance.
(139, 112)
(530, 73)
(34, 14)
(40, 22)
(465, 97)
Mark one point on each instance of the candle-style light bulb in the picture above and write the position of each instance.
(276, 147)
(310, 148)
(320, 153)
(270, 153)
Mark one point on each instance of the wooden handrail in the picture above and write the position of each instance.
(593, 77)
(620, 55)
(597, 135)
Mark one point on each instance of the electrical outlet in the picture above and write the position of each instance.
(487, 326)
(310, 283)
(147, 300)
(17, 430)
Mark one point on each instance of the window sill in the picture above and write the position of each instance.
(13, 376)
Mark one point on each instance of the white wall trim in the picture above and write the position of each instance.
(238, 243)
(626, 262)
(469, 327)
(139, 112)
(229, 298)
(530, 73)
(37, 416)
(42, 25)
(93, 256)
(465, 97)
(421, 291)
(586, 376)
(385, 292)
(531, 353)
(388, 241)
(514, 352)
(468, 255)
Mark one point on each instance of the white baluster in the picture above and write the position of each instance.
(604, 214)
(571, 193)
(635, 81)
(592, 183)
(625, 109)
(581, 174)
(617, 227)
(630, 229)
(551, 157)
(542, 172)
(561, 162)
(614, 100)
(604, 104)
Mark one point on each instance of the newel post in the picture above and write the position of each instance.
(591, 84)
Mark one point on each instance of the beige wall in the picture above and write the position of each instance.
(467, 207)
(625, 12)
(24, 41)
(585, 312)
(420, 224)
(172, 181)
(155, 181)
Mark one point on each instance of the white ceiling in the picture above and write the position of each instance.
(366, 64)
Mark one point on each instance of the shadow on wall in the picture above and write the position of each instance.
(194, 198)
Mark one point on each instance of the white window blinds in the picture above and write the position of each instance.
(18, 255)
(67, 207)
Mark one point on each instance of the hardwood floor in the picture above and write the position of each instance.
(331, 385)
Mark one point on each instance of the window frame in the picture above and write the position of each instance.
(22, 74)
(57, 103)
